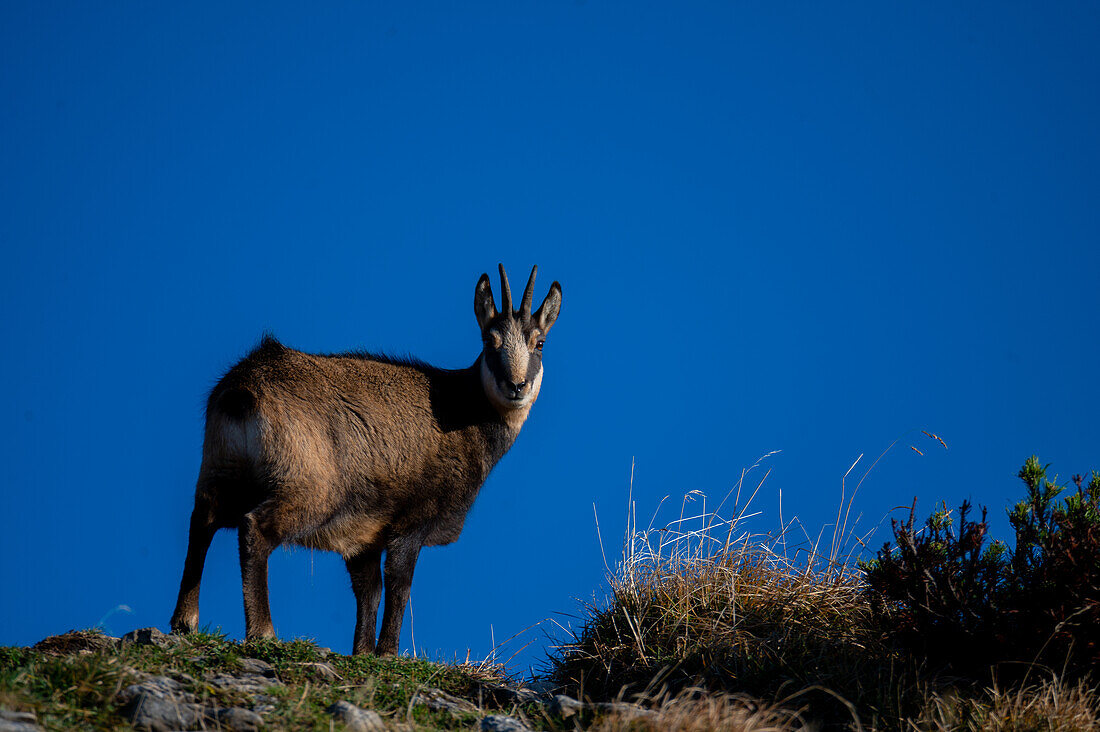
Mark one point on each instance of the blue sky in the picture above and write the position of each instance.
(778, 226)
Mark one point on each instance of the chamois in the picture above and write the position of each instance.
(358, 453)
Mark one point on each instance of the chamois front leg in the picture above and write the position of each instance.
(256, 546)
(401, 556)
(366, 583)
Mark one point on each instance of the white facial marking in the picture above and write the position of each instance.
(515, 356)
(500, 400)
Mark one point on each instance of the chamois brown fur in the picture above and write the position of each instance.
(359, 454)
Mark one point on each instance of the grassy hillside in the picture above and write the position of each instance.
(79, 680)
(704, 629)
(83, 680)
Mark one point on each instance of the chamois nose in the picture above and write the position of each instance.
(514, 389)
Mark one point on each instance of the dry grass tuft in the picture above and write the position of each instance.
(1048, 706)
(698, 712)
(699, 602)
(729, 623)
(704, 616)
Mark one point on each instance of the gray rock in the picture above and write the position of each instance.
(564, 706)
(18, 721)
(159, 685)
(356, 719)
(148, 637)
(181, 677)
(440, 701)
(238, 719)
(501, 723)
(322, 669)
(160, 704)
(150, 710)
(256, 666)
(245, 683)
(8, 726)
(9, 716)
(502, 695)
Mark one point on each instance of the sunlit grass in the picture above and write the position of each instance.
(75, 683)
(702, 609)
(707, 626)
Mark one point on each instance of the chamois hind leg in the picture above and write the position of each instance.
(401, 556)
(366, 583)
(185, 619)
(258, 538)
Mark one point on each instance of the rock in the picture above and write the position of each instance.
(75, 641)
(502, 695)
(564, 706)
(161, 685)
(148, 708)
(7, 726)
(238, 719)
(136, 675)
(356, 719)
(179, 676)
(161, 704)
(501, 723)
(256, 666)
(18, 721)
(440, 701)
(9, 716)
(246, 683)
(148, 637)
(322, 669)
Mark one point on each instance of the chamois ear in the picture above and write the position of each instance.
(484, 308)
(548, 311)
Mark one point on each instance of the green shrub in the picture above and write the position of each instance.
(942, 592)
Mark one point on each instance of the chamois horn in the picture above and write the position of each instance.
(505, 293)
(528, 295)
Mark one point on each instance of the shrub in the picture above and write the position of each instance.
(965, 606)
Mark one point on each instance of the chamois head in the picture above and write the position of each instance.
(511, 359)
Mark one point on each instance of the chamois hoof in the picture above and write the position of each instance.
(181, 626)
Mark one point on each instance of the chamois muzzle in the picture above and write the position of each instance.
(514, 390)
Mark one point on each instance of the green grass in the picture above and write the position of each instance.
(708, 628)
(79, 689)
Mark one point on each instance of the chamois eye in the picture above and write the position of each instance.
(539, 345)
